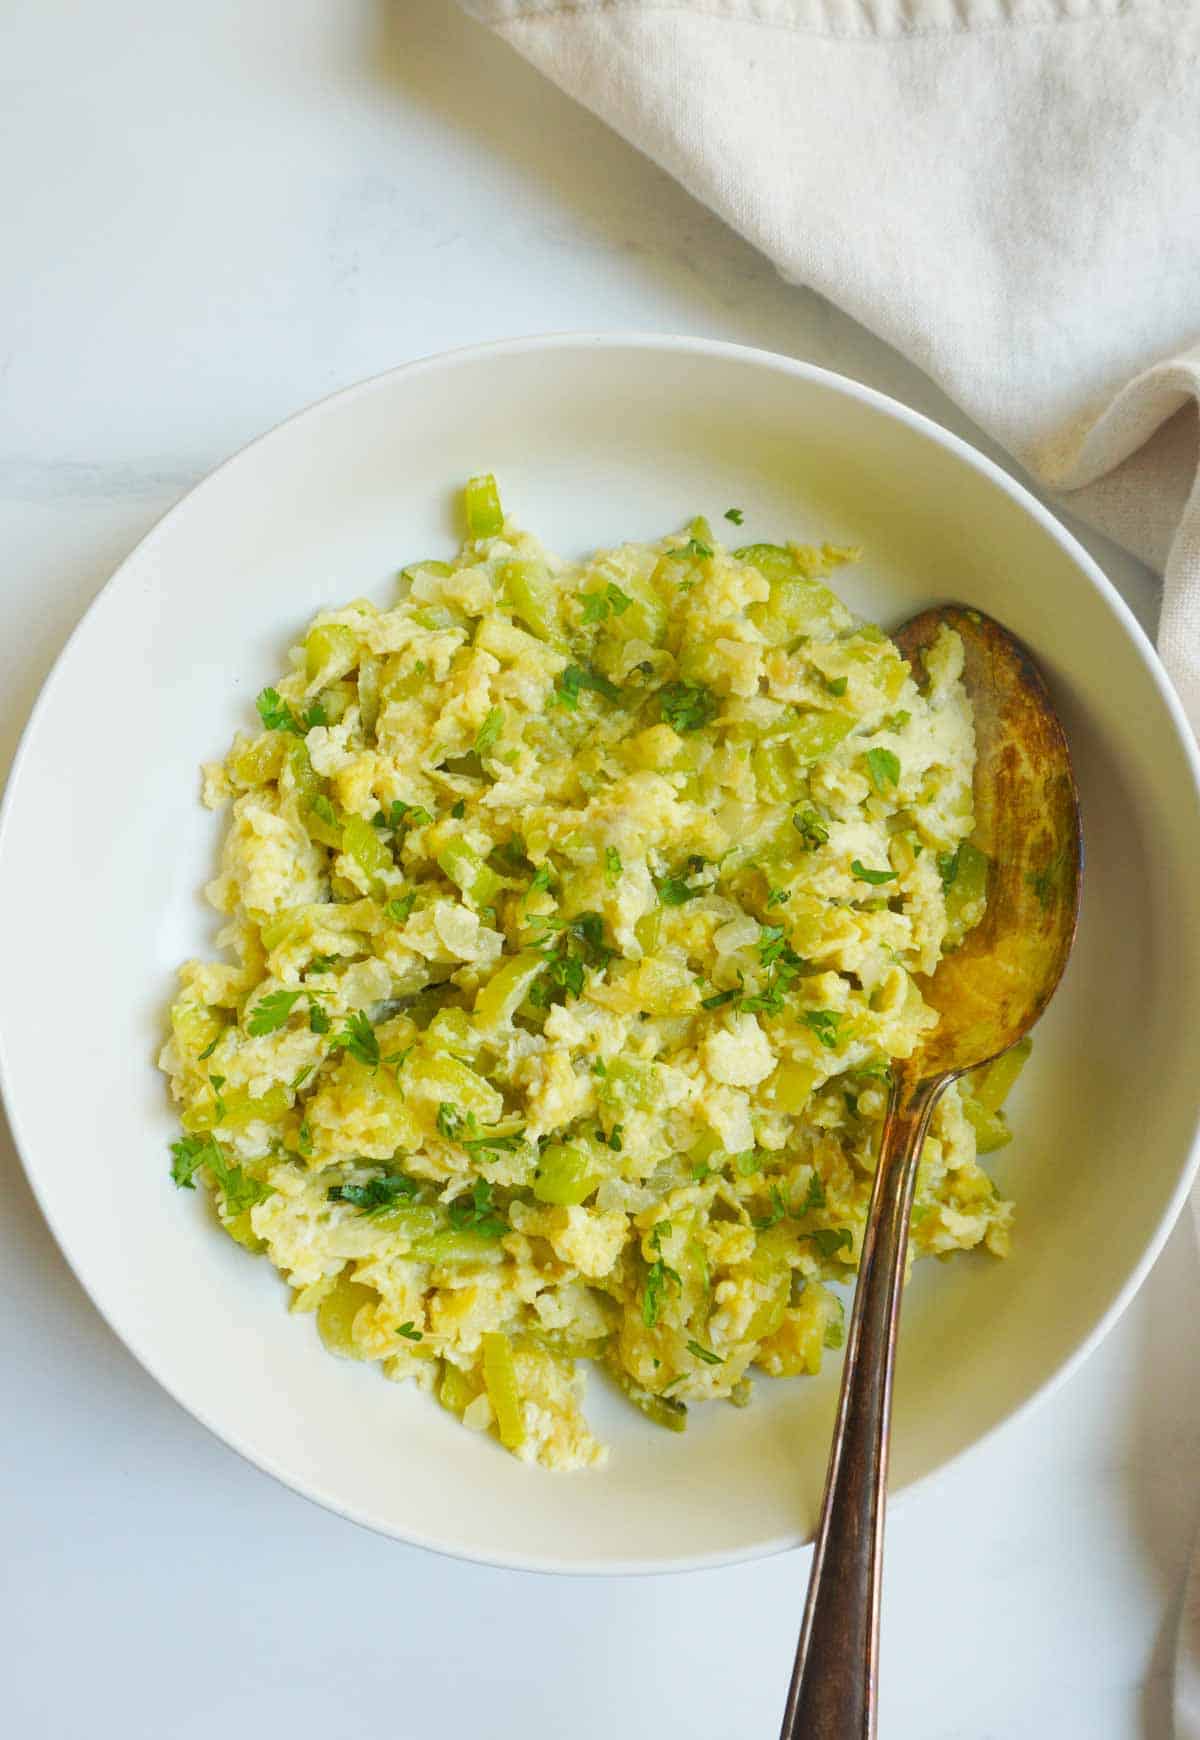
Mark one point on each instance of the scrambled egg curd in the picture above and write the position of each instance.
(578, 911)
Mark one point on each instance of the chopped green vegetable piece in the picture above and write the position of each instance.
(189, 1153)
(485, 516)
(569, 683)
(402, 815)
(612, 865)
(837, 686)
(478, 1213)
(377, 1194)
(489, 732)
(674, 891)
(814, 1197)
(719, 999)
(358, 1038)
(662, 1409)
(704, 1353)
(831, 1240)
(826, 1024)
(734, 515)
(276, 714)
(272, 1012)
(450, 1121)
(500, 1376)
(318, 1020)
(400, 911)
(659, 1275)
(884, 769)
(409, 1331)
(811, 828)
(687, 706)
(875, 877)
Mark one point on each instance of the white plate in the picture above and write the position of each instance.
(104, 847)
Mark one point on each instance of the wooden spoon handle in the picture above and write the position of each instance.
(833, 1690)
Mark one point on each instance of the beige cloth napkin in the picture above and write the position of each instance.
(1007, 191)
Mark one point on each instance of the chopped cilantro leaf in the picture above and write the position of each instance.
(358, 1038)
(826, 1024)
(659, 1275)
(778, 1210)
(695, 548)
(189, 1153)
(271, 1012)
(837, 685)
(316, 715)
(884, 769)
(209, 1049)
(400, 911)
(376, 1194)
(875, 877)
(318, 1020)
(704, 1353)
(275, 713)
(814, 1197)
(734, 515)
(409, 1332)
(830, 1240)
(322, 963)
(569, 682)
(458, 810)
(777, 896)
(687, 706)
(402, 815)
(478, 1212)
(674, 891)
(719, 999)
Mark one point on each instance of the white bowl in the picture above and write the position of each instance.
(104, 847)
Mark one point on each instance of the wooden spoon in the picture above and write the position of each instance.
(988, 994)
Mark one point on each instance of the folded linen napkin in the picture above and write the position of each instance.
(1007, 191)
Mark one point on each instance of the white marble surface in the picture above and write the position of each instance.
(214, 214)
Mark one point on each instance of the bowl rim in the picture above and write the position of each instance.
(674, 344)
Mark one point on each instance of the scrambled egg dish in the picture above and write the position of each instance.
(574, 915)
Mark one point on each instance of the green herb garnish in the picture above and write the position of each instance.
(704, 1353)
(376, 1194)
(358, 1038)
(271, 1012)
(884, 769)
(826, 1024)
(275, 713)
(687, 706)
(875, 877)
(570, 682)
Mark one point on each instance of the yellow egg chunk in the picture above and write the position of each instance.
(576, 912)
